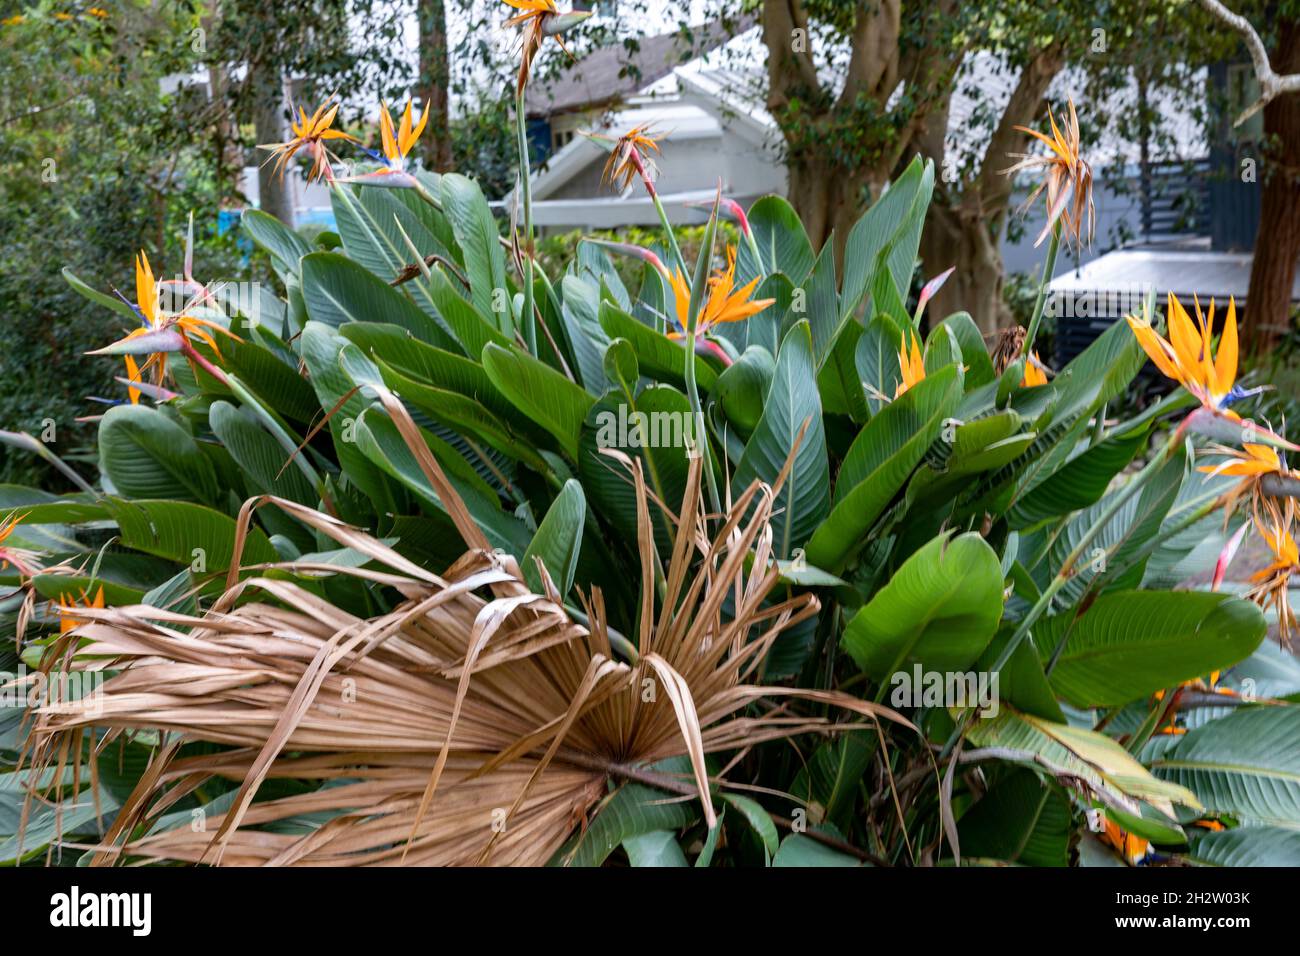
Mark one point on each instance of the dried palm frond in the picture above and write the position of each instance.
(474, 722)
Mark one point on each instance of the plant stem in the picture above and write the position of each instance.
(526, 190)
(1049, 267)
(427, 196)
(678, 259)
(701, 435)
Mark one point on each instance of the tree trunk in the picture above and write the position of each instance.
(1277, 244)
(967, 219)
(435, 78)
(962, 239)
(274, 191)
(830, 198)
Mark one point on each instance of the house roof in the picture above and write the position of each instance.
(612, 73)
(1184, 272)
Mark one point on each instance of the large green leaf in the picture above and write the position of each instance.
(1114, 559)
(272, 379)
(540, 392)
(1246, 764)
(145, 454)
(371, 223)
(321, 347)
(379, 440)
(587, 339)
(480, 241)
(665, 463)
(1078, 483)
(818, 302)
(463, 414)
(792, 402)
(742, 388)
(798, 850)
(558, 540)
(830, 780)
(1245, 846)
(657, 848)
(660, 357)
(876, 360)
(882, 458)
(781, 240)
(1130, 644)
(47, 822)
(285, 246)
(887, 234)
(259, 455)
(974, 354)
(338, 290)
(939, 610)
(635, 810)
(1021, 819)
(1089, 757)
(187, 533)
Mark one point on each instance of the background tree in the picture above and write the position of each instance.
(435, 82)
(1103, 44)
(1275, 52)
(98, 159)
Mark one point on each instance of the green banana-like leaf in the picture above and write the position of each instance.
(321, 348)
(368, 224)
(1246, 764)
(656, 848)
(1078, 483)
(974, 353)
(876, 360)
(186, 533)
(633, 811)
(259, 455)
(664, 463)
(798, 850)
(742, 388)
(540, 392)
(791, 402)
(587, 339)
(378, 438)
(1129, 644)
(661, 358)
(480, 240)
(1113, 560)
(781, 240)
(1245, 846)
(1091, 758)
(939, 610)
(558, 541)
(338, 291)
(1021, 819)
(882, 458)
(146, 454)
(886, 235)
(285, 247)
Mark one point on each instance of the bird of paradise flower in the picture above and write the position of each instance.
(162, 333)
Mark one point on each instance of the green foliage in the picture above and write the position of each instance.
(964, 524)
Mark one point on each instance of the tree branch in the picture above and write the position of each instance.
(873, 61)
(1271, 84)
(788, 69)
(992, 187)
